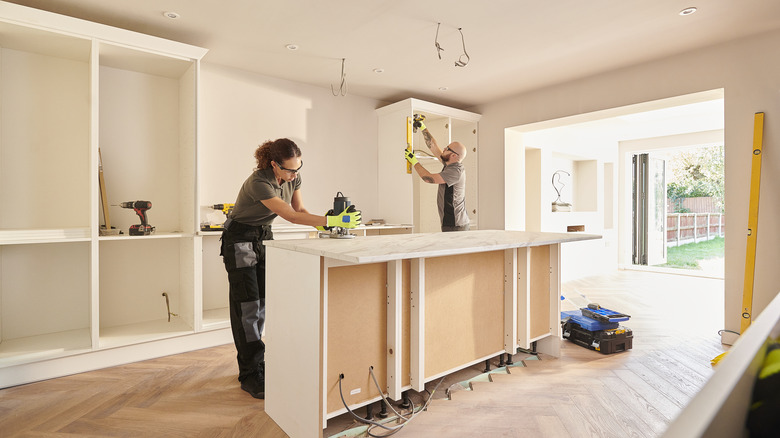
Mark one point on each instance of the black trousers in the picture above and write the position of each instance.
(244, 256)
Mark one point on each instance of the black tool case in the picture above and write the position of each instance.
(607, 341)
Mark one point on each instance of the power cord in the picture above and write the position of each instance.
(374, 424)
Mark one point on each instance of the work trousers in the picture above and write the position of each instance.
(446, 228)
(243, 253)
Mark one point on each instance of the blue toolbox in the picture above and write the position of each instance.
(597, 328)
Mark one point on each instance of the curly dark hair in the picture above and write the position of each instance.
(277, 150)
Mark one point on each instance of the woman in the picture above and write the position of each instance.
(273, 189)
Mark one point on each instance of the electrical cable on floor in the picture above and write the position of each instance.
(373, 424)
(720, 332)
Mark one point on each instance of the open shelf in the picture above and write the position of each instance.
(145, 114)
(129, 334)
(216, 318)
(44, 299)
(216, 289)
(45, 346)
(10, 237)
(44, 129)
(134, 274)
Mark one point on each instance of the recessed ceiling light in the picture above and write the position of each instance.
(170, 14)
(379, 70)
(443, 88)
(688, 11)
(292, 47)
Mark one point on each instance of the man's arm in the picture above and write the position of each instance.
(430, 178)
(430, 141)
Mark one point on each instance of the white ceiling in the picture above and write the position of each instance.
(514, 45)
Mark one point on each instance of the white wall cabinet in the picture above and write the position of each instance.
(72, 300)
(404, 198)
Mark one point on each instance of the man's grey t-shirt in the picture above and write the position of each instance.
(261, 185)
(452, 196)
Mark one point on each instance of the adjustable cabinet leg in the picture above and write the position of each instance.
(406, 403)
(382, 409)
(501, 360)
(487, 366)
(369, 411)
(509, 359)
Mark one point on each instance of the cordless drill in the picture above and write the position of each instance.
(226, 208)
(140, 207)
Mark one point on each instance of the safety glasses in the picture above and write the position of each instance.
(290, 170)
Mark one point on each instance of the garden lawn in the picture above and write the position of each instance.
(688, 256)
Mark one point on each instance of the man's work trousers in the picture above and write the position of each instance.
(244, 256)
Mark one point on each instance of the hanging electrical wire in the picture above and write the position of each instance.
(374, 424)
(436, 41)
(460, 62)
(343, 85)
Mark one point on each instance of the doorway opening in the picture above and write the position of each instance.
(586, 163)
(678, 209)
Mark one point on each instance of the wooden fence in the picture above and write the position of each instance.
(684, 228)
(703, 204)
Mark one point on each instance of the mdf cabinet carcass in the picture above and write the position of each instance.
(72, 299)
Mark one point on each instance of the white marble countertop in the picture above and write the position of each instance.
(281, 228)
(373, 249)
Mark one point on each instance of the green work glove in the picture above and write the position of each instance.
(418, 122)
(325, 227)
(349, 218)
(410, 157)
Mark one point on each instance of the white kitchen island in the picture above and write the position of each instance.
(415, 307)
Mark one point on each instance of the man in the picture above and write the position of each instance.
(451, 180)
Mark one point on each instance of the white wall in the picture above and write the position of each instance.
(337, 135)
(748, 70)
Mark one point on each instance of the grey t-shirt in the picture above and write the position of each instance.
(452, 196)
(261, 185)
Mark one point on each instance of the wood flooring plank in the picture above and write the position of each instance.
(660, 384)
(630, 403)
(550, 426)
(662, 404)
(577, 424)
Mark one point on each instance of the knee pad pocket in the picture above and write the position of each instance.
(245, 254)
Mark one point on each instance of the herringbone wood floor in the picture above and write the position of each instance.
(584, 393)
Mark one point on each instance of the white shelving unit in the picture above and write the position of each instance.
(72, 300)
(404, 199)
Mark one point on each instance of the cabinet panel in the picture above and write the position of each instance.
(215, 285)
(44, 141)
(147, 139)
(44, 300)
(134, 273)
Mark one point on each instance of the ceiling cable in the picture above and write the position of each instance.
(343, 85)
(460, 62)
(436, 41)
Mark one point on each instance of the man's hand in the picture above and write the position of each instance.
(410, 157)
(349, 218)
(418, 122)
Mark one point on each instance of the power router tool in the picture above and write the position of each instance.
(340, 203)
